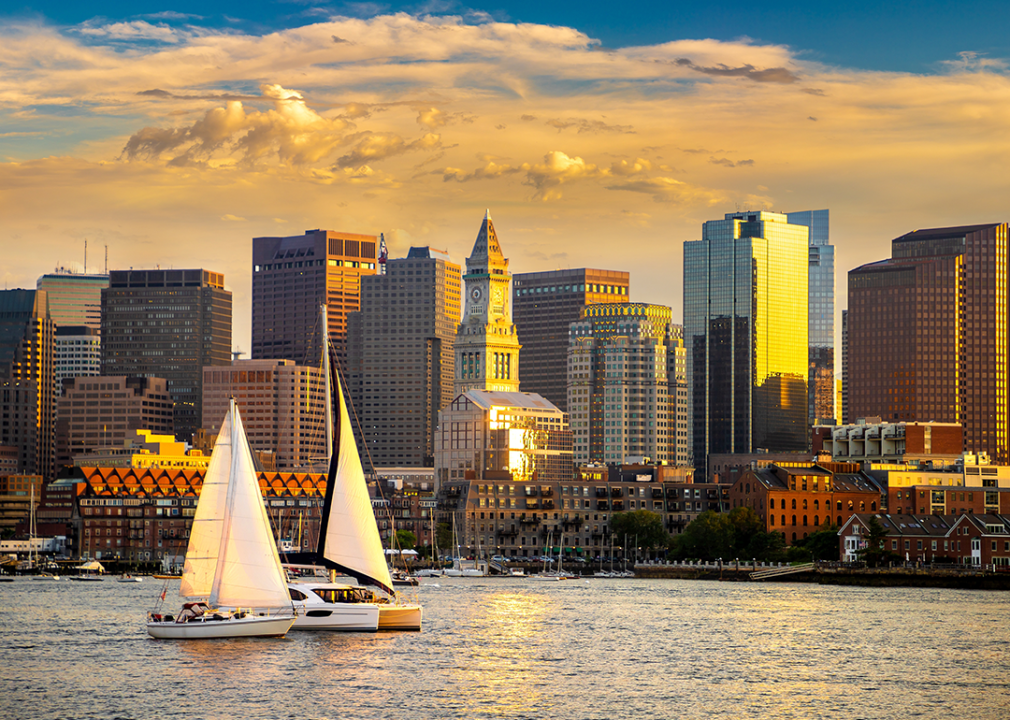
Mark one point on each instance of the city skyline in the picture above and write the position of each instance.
(409, 125)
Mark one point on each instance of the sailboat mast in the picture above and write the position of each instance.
(328, 390)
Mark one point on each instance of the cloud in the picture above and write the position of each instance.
(291, 132)
(591, 126)
(232, 218)
(556, 170)
(489, 171)
(379, 146)
(726, 162)
(132, 31)
(671, 190)
(772, 75)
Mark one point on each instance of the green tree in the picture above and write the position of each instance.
(642, 526)
(405, 540)
(874, 554)
(823, 544)
(708, 537)
(443, 538)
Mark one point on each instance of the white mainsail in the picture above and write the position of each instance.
(350, 538)
(234, 557)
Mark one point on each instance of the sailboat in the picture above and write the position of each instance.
(33, 550)
(232, 580)
(349, 543)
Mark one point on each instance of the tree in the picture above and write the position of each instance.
(443, 538)
(823, 544)
(707, 537)
(874, 554)
(644, 525)
(405, 540)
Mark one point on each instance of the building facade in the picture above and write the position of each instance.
(928, 334)
(545, 305)
(74, 298)
(283, 408)
(618, 389)
(77, 352)
(821, 315)
(27, 398)
(745, 335)
(401, 361)
(487, 346)
(294, 276)
(167, 324)
(102, 412)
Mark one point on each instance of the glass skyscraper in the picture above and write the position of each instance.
(821, 319)
(746, 334)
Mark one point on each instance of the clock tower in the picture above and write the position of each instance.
(487, 347)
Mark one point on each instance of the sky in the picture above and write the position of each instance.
(599, 135)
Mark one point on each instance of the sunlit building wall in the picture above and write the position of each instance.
(294, 276)
(821, 315)
(928, 334)
(746, 336)
(546, 304)
(618, 393)
(27, 399)
(487, 346)
(283, 408)
(74, 298)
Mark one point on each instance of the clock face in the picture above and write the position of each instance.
(475, 293)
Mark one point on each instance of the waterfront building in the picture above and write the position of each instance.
(145, 449)
(928, 334)
(872, 440)
(799, 500)
(820, 315)
(75, 299)
(27, 401)
(16, 494)
(294, 276)
(618, 393)
(727, 468)
(167, 324)
(745, 335)
(843, 411)
(401, 360)
(679, 413)
(96, 414)
(487, 346)
(77, 352)
(283, 408)
(545, 306)
(981, 541)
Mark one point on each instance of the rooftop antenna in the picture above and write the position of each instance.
(106, 259)
(236, 354)
(85, 256)
(383, 253)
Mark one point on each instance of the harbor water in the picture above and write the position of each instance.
(514, 648)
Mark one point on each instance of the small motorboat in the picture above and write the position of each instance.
(128, 579)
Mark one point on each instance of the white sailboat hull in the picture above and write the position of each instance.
(199, 629)
(339, 618)
(400, 617)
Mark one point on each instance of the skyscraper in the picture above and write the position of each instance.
(292, 277)
(27, 402)
(821, 315)
(74, 298)
(546, 304)
(400, 362)
(746, 335)
(617, 384)
(77, 352)
(167, 324)
(487, 348)
(928, 335)
(283, 408)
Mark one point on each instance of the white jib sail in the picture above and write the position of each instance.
(249, 572)
(352, 537)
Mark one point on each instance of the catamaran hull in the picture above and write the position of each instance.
(399, 617)
(255, 626)
(348, 618)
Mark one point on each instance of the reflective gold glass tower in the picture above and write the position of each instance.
(746, 332)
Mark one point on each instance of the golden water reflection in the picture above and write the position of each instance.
(504, 671)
